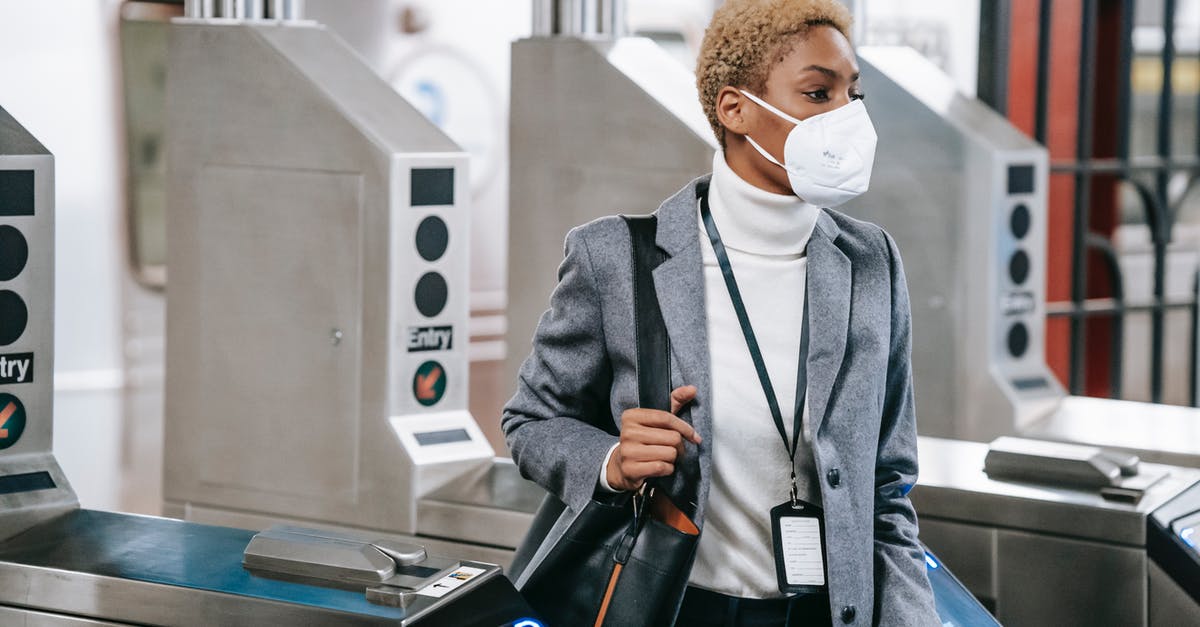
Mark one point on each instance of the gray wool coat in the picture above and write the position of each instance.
(581, 376)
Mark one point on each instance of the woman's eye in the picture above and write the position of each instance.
(819, 95)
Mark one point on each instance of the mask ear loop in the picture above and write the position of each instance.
(762, 103)
(766, 155)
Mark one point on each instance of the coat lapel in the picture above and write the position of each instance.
(679, 285)
(829, 285)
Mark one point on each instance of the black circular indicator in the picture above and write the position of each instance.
(431, 294)
(432, 238)
(12, 420)
(1020, 221)
(13, 317)
(1018, 339)
(14, 252)
(1018, 267)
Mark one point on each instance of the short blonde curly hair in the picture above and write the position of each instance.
(747, 37)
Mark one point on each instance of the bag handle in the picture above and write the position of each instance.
(653, 356)
(653, 345)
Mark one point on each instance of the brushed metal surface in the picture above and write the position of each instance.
(293, 270)
(589, 136)
(1043, 580)
(20, 150)
(968, 550)
(257, 520)
(493, 505)
(1165, 434)
(949, 214)
(953, 487)
(33, 618)
(308, 553)
(157, 571)
(32, 451)
(1170, 605)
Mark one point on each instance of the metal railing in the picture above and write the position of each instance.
(579, 18)
(245, 9)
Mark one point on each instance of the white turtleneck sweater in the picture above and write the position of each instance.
(765, 235)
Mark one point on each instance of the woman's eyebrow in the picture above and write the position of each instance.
(834, 74)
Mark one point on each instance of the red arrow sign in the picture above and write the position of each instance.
(5, 414)
(426, 384)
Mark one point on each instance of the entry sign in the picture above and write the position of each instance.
(429, 383)
(12, 420)
(16, 368)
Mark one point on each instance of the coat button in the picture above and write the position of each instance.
(834, 477)
(848, 614)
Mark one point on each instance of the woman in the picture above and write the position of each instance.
(753, 251)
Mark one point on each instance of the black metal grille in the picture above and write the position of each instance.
(1148, 175)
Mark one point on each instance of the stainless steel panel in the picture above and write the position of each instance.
(493, 505)
(953, 487)
(949, 214)
(31, 618)
(22, 510)
(29, 446)
(293, 263)
(141, 603)
(307, 553)
(581, 115)
(1166, 434)
(20, 150)
(155, 571)
(1043, 580)
(969, 551)
(252, 520)
(251, 399)
(1170, 605)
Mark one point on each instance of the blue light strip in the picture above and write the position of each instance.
(1186, 535)
(932, 563)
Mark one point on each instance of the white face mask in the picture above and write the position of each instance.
(828, 157)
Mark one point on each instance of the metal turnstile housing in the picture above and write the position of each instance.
(1039, 555)
(963, 193)
(598, 126)
(33, 487)
(316, 365)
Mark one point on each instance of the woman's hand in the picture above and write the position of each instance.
(651, 442)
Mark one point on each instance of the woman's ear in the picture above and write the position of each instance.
(731, 110)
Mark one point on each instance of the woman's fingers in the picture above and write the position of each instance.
(647, 470)
(663, 420)
(650, 453)
(681, 396)
(651, 435)
(652, 441)
(660, 437)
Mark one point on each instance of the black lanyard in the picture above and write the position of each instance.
(755, 352)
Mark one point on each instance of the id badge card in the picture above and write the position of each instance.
(798, 536)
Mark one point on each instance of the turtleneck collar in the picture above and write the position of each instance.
(753, 220)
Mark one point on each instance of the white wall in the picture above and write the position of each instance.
(946, 31)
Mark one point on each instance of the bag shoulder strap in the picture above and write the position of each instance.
(653, 345)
